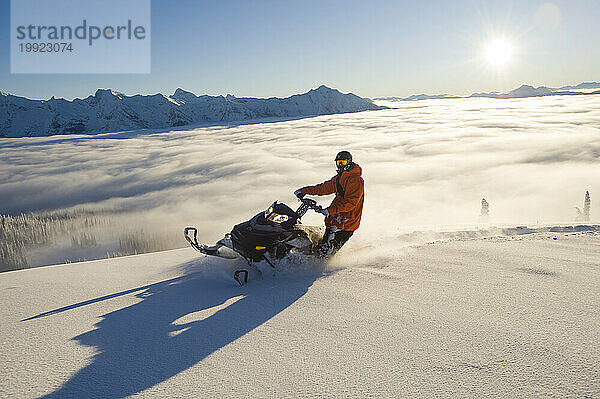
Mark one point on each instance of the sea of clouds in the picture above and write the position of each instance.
(426, 165)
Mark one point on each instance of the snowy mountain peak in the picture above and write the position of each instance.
(583, 85)
(110, 111)
(521, 92)
(108, 93)
(530, 91)
(181, 94)
(324, 89)
(417, 97)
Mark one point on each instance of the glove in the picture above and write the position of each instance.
(320, 209)
(298, 193)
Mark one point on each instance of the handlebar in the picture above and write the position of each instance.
(307, 203)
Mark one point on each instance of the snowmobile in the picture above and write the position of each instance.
(270, 236)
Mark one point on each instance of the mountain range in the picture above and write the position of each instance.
(111, 111)
(520, 92)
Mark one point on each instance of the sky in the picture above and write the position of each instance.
(383, 48)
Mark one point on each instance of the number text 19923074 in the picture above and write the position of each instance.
(45, 47)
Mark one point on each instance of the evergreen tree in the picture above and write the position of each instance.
(485, 207)
(586, 207)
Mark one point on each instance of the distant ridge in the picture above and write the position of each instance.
(111, 111)
(521, 92)
(416, 97)
(584, 85)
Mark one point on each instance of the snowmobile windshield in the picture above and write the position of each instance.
(280, 214)
(273, 216)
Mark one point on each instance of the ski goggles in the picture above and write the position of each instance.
(342, 162)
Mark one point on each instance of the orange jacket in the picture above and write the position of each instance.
(346, 209)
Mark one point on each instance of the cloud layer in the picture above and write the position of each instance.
(426, 165)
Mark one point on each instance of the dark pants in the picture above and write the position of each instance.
(332, 242)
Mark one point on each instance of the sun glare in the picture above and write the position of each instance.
(498, 53)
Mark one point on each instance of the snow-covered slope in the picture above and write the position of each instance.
(110, 111)
(511, 317)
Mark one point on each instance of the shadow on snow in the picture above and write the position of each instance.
(137, 346)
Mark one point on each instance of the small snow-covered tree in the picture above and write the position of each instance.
(485, 208)
(586, 207)
(584, 215)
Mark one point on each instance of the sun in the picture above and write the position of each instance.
(498, 53)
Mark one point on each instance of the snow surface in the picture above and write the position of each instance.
(511, 316)
(111, 111)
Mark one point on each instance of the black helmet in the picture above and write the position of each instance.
(343, 156)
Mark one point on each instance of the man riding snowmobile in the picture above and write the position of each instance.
(273, 234)
(342, 217)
